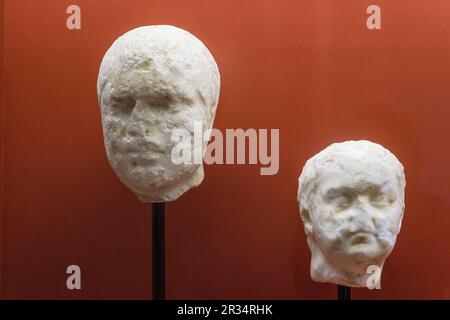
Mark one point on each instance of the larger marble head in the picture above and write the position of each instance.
(153, 81)
(351, 198)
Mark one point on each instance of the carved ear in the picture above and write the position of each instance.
(306, 221)
(401, 219)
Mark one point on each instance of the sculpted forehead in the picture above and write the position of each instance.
(356, 155)
(351, 163)
(360, 181)
(154, 60)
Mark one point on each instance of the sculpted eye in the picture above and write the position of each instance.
(123, 106)
(341, 200)
(379, 199)
(158, 99)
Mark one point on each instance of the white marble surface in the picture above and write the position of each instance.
(152, 81)
(351, 197)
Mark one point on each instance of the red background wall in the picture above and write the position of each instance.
(310, 68)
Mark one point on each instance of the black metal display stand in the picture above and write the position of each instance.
(344, 293)
(158, 257)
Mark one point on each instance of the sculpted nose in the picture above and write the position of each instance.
(362, 218)
(135, 121)
(137, 109)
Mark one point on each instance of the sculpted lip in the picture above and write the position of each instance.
(142, 161)
(361, 237)
(140, 146)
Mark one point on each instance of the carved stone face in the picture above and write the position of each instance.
(153, 81)
(352, 202)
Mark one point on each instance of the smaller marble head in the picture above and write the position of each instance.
(155, 81)
(351, 197)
